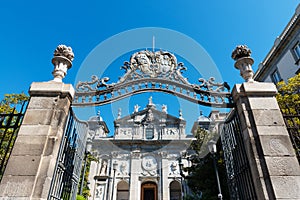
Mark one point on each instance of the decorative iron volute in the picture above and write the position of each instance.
(243, 61)
(62, 61)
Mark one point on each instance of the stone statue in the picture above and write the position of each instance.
(103, 168)
(136, 108)
(180, 114)
(150, 102)
(164, 108)
(123, 168)
(173, 167)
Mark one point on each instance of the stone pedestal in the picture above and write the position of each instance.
(273, 163)
(31, 165)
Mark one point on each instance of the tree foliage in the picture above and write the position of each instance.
(86, 190)
(288, 96)
(202, 177)
(11, 101)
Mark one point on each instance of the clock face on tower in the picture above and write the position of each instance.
(149, 163)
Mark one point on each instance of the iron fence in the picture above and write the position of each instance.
(70, 158)
(291, 116)
(9, 128)
(239, 176)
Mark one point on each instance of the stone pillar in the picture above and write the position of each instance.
(164, 176)
(31, 165)
(273, 162)
(135, 187)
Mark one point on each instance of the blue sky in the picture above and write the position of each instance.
(31, 30)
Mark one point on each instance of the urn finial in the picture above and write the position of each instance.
(243, 61)
(62, 61)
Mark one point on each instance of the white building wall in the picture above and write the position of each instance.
(286, 66)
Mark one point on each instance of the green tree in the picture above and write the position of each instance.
(202, 178)
(86, 190)
(288, 98)
(11, 101)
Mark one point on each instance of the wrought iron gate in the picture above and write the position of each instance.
(239, 176)
(291, 116)
(9, 128)
(69, 162)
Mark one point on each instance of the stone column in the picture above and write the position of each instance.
(31, 165)
(135, 187)
(164, 176)
(274, 166)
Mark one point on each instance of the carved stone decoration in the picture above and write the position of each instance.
(277, 147)
(123, 168)
(240, 51)
(163, 154)
(125, 131)
(136, 108)
(99, 191)
(172, 131)
(103, 169)
(164, 108)
(153, 63)
(150, 116)
(149, 164)
(62, 61)
(244, 62)
(136, 154)
(173, 168)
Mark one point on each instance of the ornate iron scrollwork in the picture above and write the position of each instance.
(88, 85)
(156, 72)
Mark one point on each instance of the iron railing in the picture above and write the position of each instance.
(239, 176)
(70, 158)
(9, 128)
(291, 116)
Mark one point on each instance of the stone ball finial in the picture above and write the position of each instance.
(243, 61)
(240, 51)
(62, 61)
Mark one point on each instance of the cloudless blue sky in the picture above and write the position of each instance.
(31, 30)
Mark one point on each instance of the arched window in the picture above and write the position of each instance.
(123, 190)
(175, 190)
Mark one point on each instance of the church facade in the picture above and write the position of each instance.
(141, 160)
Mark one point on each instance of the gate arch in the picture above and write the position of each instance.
(149, 71)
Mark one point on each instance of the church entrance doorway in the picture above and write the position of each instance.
(149, 191)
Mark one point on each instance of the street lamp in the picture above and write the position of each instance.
(212, 147)
(115, 165)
